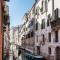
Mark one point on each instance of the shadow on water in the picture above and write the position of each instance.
(26, 55)
(22, 55)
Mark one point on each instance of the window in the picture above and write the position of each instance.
(31, 23)
(43, 24)
(43, 38)
(33, 10)
(36, 11)
(56, 14)
(26, 19)
(22, 38)
(49, 50)
(24, 29)
(29, 35)
(36, 26)
(42, 5)
(46, 5)
(49, 16)
(26, 36)
(32, 34)
(49, 36)
(48, 20)
(56, 36)
(37, 38)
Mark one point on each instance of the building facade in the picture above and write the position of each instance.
(14, 42)
(6, 32)
(48, 38)
(4, 27)
(28, 31)
(11, 45)
(45, 15)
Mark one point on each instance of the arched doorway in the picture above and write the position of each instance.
(58, 53)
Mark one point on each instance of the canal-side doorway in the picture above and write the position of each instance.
(38, 50)
(58, 53)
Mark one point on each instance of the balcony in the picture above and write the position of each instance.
(31, 25)
(8, 22)
(31, 28)
(55, 24)
(5, 13)
(4, 28)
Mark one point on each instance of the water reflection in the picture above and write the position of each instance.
(22, 56)
(26, 55)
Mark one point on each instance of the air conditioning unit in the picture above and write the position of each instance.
(57, 13)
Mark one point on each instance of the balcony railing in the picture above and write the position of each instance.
(5, 13)
(56, 22)
(6, 10)
(4, 28)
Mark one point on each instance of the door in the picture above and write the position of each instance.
(58, 53)
(38, 50)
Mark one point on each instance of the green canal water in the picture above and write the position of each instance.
(23, 56)
(30, 56)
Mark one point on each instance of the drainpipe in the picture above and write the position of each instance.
(34, 31)
(53, 10)
(18, 39)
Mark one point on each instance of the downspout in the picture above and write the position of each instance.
(53, 10)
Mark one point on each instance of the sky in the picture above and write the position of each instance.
(17, 9)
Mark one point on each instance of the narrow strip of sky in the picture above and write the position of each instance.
(17, 8)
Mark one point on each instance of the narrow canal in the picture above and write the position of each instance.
(23, 56)
(26, 55)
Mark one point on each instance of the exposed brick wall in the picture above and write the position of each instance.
(0, 46)
(1, 33)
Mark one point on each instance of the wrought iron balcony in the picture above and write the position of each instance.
(4, 28)
(6, 22)
(4, 25)
(56, 22)
(5, 13)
